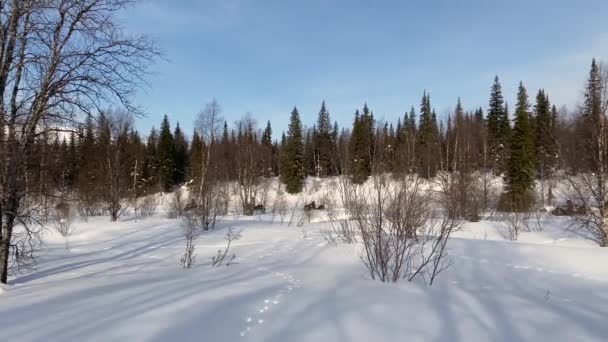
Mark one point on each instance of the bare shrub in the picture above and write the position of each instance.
(279, 205)
(191, 233)
(146, 206)
(460, 195)
(329, 236)
(220, 258)
(514, 223)
(314, 186)
(264, 189)
(538, 216)
(342, 225)
(63, 221)
(295, 214)
(588, 195)
(400, 238)
(176, 205)
(203, 211)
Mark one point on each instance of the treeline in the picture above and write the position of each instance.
(107, 160)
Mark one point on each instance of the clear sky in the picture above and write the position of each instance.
(264, 57)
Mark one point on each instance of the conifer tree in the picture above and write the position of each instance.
(519, 177)
(72, 161)
(292, 166)
(267, 151)
(498, 127)
(150, 169)
(361, 146)
(181, 156)
(545, 144)
(166, 156)
(195, 157)
(324, 144)
(311, 166)
(428, 148)
(88, 164)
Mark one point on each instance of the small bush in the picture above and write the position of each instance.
(147, 206)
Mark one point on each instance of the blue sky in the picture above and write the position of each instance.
(264, 57)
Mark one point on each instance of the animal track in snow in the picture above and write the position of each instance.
(290, 283)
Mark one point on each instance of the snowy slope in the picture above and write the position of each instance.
(122, 282)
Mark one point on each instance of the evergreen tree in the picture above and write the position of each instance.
(361, 146)
(267, 151)
(311, 166)
(166, 156)
(72, 161)
(594, 127)
(225, 138)
(519, 178)
(324, 144)
(267, 135)
(428, 148)
(545, 144)
(498, 127)
(150, 169)
(292, 166)
(88, 165)
(195, 157)
(181, 156)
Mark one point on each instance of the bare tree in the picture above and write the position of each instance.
(590, 189)
(59, 60)
(248, 170)
(116, 160)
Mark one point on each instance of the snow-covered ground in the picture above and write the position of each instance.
(122, 282)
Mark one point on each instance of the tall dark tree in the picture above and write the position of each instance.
(166, 156)
(361, 146)
(267, 151)
(195, 156)
(150, 169)
(292, 166)
(324, 144)
(311, 165)
(181, 156)
(428, 144)
(88, 168)
(519, 177)
(545, 143)
(498, 127)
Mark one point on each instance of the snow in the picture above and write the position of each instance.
(122, 282)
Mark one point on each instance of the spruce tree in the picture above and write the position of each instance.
(195, 157)
(428, 147)
(519, 177)
(545, 143)
(267, 151)
(361, 146)
(323, 144)
(181, 156)
(593, 122)
(292, 166)
(166, 156)
(498, 126)
(150, 174)
(311, 166)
